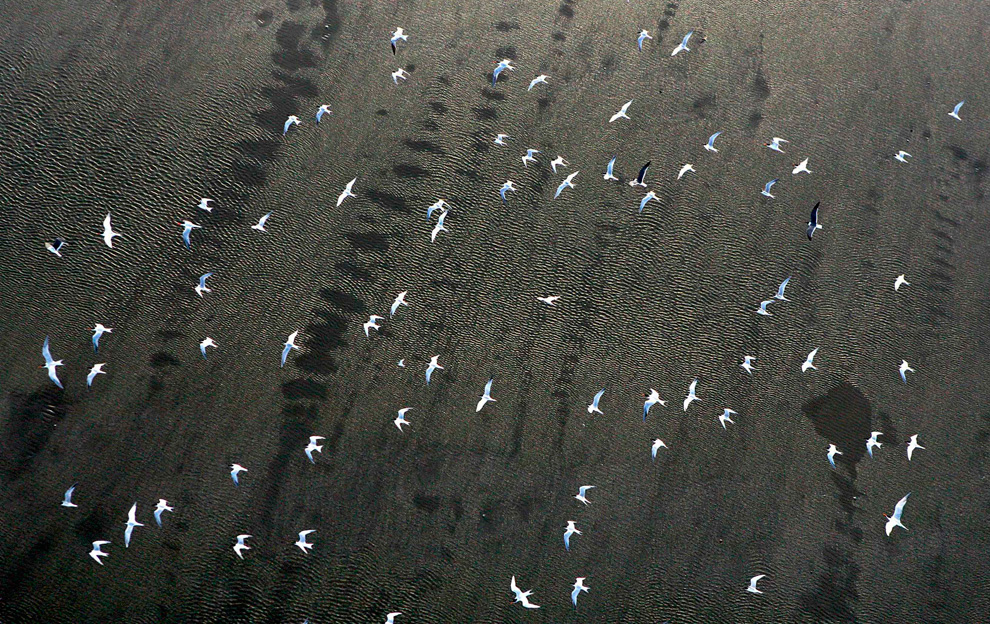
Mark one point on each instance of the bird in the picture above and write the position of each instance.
(747, 364)
(241, 546)
(579, 585)
(682, 46)
(236, 469)
(872, 442)
(657, 445)
(400, 299)
(643, 35)
(187, 228)
(323, 110)
(108, 232)
(439, 227)
(390, 618)
(529, 156)
(399, 73)
(401, 418)
(372, 324)
(437, 205)
(752, 584)
(55, 246)
(558, 162)
(608, 170)
(905, 368)
(762, 310)
(646, 198)
(894, 520)
(549, 300)
(290, 344)
(900, 155)
(780, 290)
(522, 596)
(159, 508)
(500, 139)
(652, 400)
(93, 372)
(260, 225)
(725, 417)
(801, 167)
(808, 363)
(204, 204)
(913, 444)
(568, 182)
(396, 37)
(348, 192)
(504, 64)
(900, 281)
(642, 175)
(955, 110)
(130, 524)
(434, 365)
(207, 342)
(302, 543)
(582, 491)
(542, 78)
(569, 530)
(67, 499)
(508, 186)
(832, 452)
(691, 394)
(98, 332)
(766, 189)
(201, 287)
(710, 146)
(486, 397)
(593, 408)
(622, 112)
(96, 553)
(50, 363)
(813, 223)
(774, 144)
(402, 363)
(291, 121)
(685, 169)
(313, 446)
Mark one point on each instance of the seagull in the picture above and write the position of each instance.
(581, 493)
(50, 363)
(401, 418)
(207, 342)
(685, 169)
(594, 402)
(235, 469)
(302, 543)
(913, 444)
(500, 139)
(204, 204)
(568, 182)
(801, 167)
(569, 530)
(725, 417)
(872, 442)
(500, 67)
(895, 519)
(486, 397)
(313, 446)
(434, 365)
(390, 618)
(683, 44)
(67, 501)
(93, 372)
(324, 109)
(900, 281)
(290, 344)
(260, 225)
(646, 198)
(775, 144)
(201, 288)
(763, 308)
(399, 73)
(187, 228)
(808, 362)
(558, 162)
(522, 596)
(159, 508)
(813, 223)
(955, 110)
(98, 332)
(437, 205)
(900, 156)
(130, 524)
(347, 192)
(108, 232)
(396, 36)
(579, 585)
(657, 445)
(400, 299)
(549, 300)
(542, 78)
(608, 170)
(439, 226)
(747, 364)
(529, 156)
(652, 400)
(642, 174)
(402, 363)
(780, 290)
(710, 146)
(766, 189)
(372, 324)
(55, 246)
(832, 452)
(691, 395)
(643, 34)
(752, 584)
(508, 186)
(291, 121)
(905, 368)
(240, 545)
(622, 112)
(96, 553)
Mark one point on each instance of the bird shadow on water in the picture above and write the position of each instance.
(30, 424)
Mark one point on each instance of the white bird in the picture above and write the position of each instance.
(872, 442)
(55, 247)
(98, 332)
(500, 67)
(313, 446)
(900, 281)
(401, 418)
(93, 372)
(801, 167)
(399, 73)
(900, 155)
(347, 192)
(832, 452)
(236, 469)
(396, 37)
(691, 394)
(766, 189)
(260, 225)
(434, 365)
(955, 110)
(622, 112)
(643, 35)
(108, 232)
(201, 287)
(641, 176)
(290, 344)
(905, 368)
(207, 342)
(913, 444)
(895, 519)
(568, 182)
(50, 363)
(558, 162)
(500, 139)
(187, 228)
(96, 553)
(291, 121)
(159, 508)
(402, 363)
(400, 299)
(522, 596)
(67, 499)
(650, 195)
(542, 78)
(324, 109)
(582, 491)
(549, 300)
(508, 186)
(682, 46)
(780, 290)
(579, 585)
(747, 364)
(302, 543)
(486, 397)
(652, 400)
(390, 618)
(204, 204)
(813, 223)
(657, 445)
(372, 324)
(809, 362)
(775, 144)
(439, 227)
(241, 546)
(440, 205)
(569, 530)
(685, 169)
(752, 584)
(130, 524)
(710, 146)
(762, 310)
(725, 417)
(593, 408)
(529, 156)
(608, 170)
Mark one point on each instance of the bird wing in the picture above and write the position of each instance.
(46, 352)
(642, 172)
(488, 386)
(814, 214)
(684, 42)
(899, 507)
(599, 396)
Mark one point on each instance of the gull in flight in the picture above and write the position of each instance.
(130, 524)
(522, 596)
(372, 324)
(67, 500)
(302, 543)
(801, 167)
(96, 553)
(324, 109)
(775, 144)
(646, 198)
(347, 192)
(594, 402)
(895, 519)
(900, 155)
(50, 363)
(187, 228)
(400, 299)
(608, 170)
(685, 169)
(691, 394)
(955, 110)
(622, 112)
(290, 344)
(682, 46)
(201, 287)
(550, 300)
(913, 444)
(508, 186)
(291, 121)
(241, 546)
(752, 584)
(260, 225)
(725, 417)
(905, 368)
(439, 227)
(643, 34)
(500, 139)
(766, 189)
(402, 363)
(399, 73)
(98, 332)
(159, 508)
(390, 618)
(313, 446)
(500, 67)
(747, 364)
(569, 530)
(579, 585)
(900, 281)
(486, 397)
(652, 400)
(55, 246)
(642, 175)
(813, 223)
(93, 372)
(236, 469)
(657, 445)
(872, 442)
(582, 491)
(832, 452)
(108, 232)
(207, 342)
(710, 146)
(542, 78)
(763, 308)
(434, 365)
(529, 156)
(396, 37)
(568, 182)
(401, 418)
(780, 290)
(558, 162)
(809, 362)
(437, 205)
